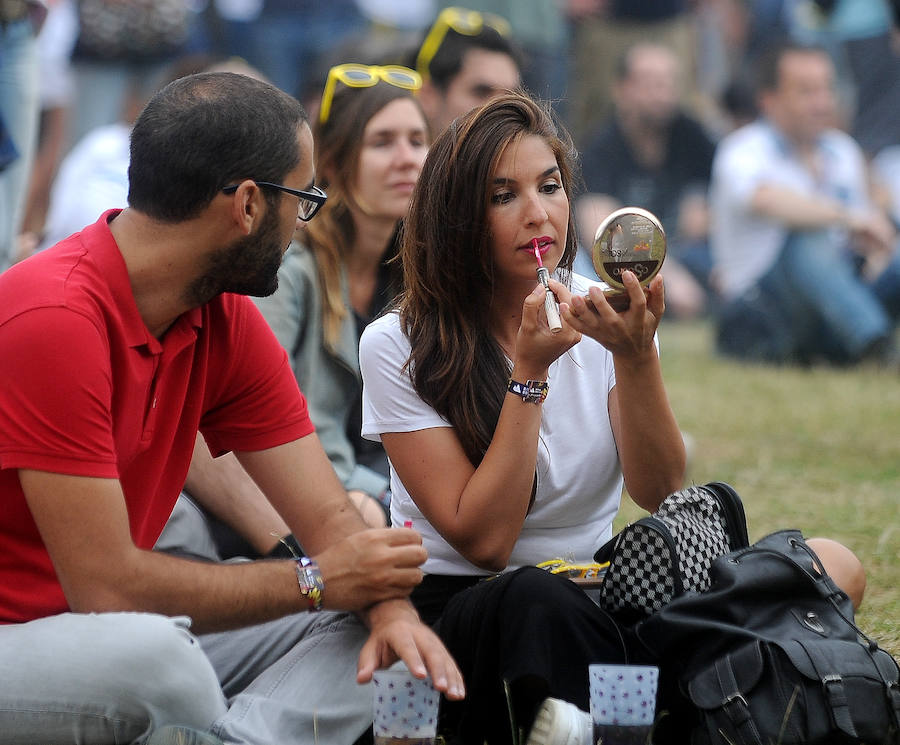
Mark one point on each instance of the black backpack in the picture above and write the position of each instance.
(754, 645)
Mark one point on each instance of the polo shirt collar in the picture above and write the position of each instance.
(105, 253)
(786, 147)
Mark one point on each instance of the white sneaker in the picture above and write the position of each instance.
(561, 723)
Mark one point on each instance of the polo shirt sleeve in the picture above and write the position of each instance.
(252, 401)
(56, 394)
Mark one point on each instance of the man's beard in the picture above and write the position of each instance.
(249, 266)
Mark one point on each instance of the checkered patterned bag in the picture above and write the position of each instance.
(668, 553)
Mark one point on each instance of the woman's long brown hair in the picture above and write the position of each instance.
(456, 364)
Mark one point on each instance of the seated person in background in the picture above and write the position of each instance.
(121, 343)
(371, 139)
(510, 444)
(465, 58)
(651, 154)
(807, 265)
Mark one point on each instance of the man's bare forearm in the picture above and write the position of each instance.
(222, 487)
(797, 211)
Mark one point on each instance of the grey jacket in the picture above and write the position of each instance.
(330, 381)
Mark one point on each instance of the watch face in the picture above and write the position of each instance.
(629, 238)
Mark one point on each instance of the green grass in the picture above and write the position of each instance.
(816, 449)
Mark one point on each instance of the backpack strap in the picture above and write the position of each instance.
(735, 705)
(833, 685)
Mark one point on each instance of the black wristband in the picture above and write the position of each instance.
(286, 548)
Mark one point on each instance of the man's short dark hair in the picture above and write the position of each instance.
(768, 68)
(448, 60)
(205, 131)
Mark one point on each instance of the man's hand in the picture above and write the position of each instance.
(371, 566)
(873, 237)
(398, 633)
(871, 231)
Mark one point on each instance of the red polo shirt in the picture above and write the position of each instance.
(86, 390)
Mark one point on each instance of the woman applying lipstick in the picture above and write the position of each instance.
(371, 139)
(508, 442)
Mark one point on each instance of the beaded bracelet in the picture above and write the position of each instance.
(311, 583)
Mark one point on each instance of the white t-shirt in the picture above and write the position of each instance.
(744, 245)
(92, 178)
(579, 479)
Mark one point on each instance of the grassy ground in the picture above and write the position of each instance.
(815, 449)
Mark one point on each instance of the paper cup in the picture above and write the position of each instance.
(623, 703)
(405, 707)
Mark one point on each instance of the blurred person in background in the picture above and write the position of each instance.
(860, 35)
(465, 58)
(601, 31)
(20, 22)
(287, 37)
(805, 261)
(541, 31)
(55, 43)
(651, 154)
(122, 49)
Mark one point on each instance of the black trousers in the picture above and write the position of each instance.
(537, 631)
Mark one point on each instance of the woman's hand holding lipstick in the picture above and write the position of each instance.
(536, 346)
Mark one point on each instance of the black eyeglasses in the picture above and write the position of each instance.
(310, 201)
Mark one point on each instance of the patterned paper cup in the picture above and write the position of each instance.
(623, 702)
(406, 708)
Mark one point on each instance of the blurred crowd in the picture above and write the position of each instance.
(651, 91)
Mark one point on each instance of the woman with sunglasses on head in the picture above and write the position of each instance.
(371, 139)
(508, 442)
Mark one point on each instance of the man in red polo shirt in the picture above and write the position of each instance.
(120, 344)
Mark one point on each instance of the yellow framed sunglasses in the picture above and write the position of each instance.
(462, 21)
(355, 75)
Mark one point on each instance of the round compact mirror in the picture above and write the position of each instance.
(629, 238)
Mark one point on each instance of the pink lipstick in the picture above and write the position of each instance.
(550, 306)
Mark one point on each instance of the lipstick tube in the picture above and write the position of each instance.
(550, 306)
